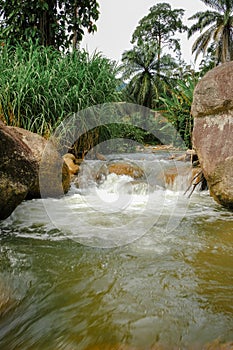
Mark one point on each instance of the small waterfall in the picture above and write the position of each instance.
(108, 209)
(124, 184)
(154, 175)
(178, 179)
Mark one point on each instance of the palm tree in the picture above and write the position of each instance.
(219, 30)
(146, 74)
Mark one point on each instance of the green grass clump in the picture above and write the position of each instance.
(40, 86)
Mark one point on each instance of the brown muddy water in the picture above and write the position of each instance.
(124, 262)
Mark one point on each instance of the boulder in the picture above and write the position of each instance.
(213, 94)
(52, 174)
(215, 345)
(17, 171)
(30, 167)
(212, 109)
(123, 168)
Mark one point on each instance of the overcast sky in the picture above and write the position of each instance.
(119, 18)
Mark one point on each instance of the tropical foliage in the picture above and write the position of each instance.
(216, 27)
(145, 80)
(208, 61)
(42, 82)
(176, 106)
(54, 23)
(148, 66)
(154, 78)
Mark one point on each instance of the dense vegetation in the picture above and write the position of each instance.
(39, 86)
(148, 64)
(155, 73)
(56, 23)
(44, 77)
(157, 79)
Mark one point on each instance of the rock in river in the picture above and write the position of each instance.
(17, 171)
(52, 174)
(212, 109)
(21, 171)
(124, 168)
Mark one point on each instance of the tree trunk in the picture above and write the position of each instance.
(47, 25)
(75, 33)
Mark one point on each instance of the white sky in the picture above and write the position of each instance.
(119, 18)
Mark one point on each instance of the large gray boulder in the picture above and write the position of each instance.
(52, 174)
(17, 171)
(30, 167)
(212, 109)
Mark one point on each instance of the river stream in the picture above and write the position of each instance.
(118, 262)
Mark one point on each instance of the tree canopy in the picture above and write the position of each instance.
(141, 68)
(159, 27)
(149, 64)
(154, 72)
(56, 23)
(216, 28)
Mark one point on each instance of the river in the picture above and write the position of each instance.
(122, 262)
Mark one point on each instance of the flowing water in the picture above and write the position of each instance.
(118, 261)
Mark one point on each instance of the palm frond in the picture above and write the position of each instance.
(204, 20)
(219, 29)
(202, 42)
(218, 5)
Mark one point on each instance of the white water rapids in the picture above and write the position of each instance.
(163, 278)
(118, 209)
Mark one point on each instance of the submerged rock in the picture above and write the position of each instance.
(176, 178)
(212, 109)
(123, 168)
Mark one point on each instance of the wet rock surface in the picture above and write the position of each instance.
(123, 168)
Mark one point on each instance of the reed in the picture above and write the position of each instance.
(40, 86)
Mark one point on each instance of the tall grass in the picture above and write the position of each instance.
(39, 86)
